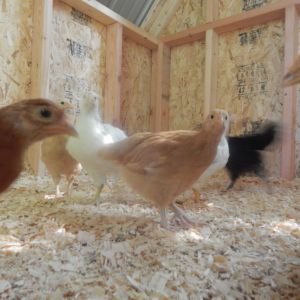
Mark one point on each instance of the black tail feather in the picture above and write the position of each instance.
(256, 141)
(244, 152)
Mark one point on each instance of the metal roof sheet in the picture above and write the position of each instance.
(132, 10)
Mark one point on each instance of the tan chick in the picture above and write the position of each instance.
(58, 161)
(161, 166)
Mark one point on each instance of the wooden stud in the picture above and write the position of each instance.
(212, 10)
(211, 71)
(211, 59)
(112, 96)
(253, 17)
(160, 88)
(164, 65)
(106, 16)
(288, 156)
(155, 85)
(41, 50)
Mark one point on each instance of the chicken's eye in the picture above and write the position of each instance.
(62, 102)
(226, 118)
(46, 113)
(211, 116)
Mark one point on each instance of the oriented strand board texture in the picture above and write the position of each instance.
(136, 87)
(78, 55)
(231, 7)
(15, 50)
(250, 75)
(187, 82)
(190, 13)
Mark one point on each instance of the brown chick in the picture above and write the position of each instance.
(58, 161)
(161, 166)
(293, 75)
(22, 124)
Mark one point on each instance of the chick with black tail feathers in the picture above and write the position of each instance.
(245, 152)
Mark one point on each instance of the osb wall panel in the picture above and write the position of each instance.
(250, 75)
(15, 50)
(78, 56)
(187, 86)
(231, 7)
(136, 87)
(190, 13)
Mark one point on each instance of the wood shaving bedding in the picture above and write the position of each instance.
(247, 245)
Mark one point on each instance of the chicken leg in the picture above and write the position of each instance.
(163, 218)
(58, 193)
(98, 192)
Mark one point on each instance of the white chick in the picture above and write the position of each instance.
(93, 135)
(222, 155)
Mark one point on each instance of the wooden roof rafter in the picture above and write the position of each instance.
(160, 16)
(106, 16)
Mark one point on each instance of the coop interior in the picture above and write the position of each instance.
(164, 68)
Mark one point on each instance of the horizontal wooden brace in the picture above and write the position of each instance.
(268, 13)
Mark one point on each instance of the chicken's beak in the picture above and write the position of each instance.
(62, 127)
(69, 130)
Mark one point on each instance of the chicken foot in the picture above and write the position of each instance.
(182, 217)
(184, 220)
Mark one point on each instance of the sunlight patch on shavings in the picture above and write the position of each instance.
(9, 243)
(286, 227)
